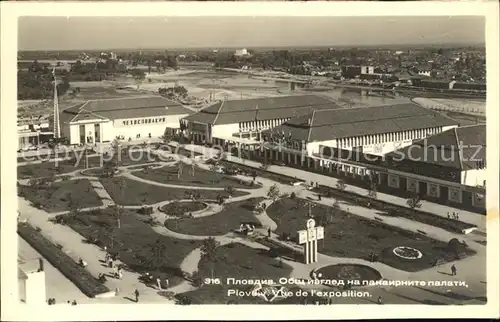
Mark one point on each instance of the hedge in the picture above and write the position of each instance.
(87, 283)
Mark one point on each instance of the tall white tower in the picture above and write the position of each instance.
(57, 127)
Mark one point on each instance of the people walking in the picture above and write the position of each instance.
(166, 283)
(120, 273)
(136, 293)
(158, 283)
(453, 270)
(269, 232)
(379, 300)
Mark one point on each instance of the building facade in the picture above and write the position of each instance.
(130, 118)
(239, 120)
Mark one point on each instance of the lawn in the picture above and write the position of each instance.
(138, 193)
(134, 242)
(201, 178)
(87, 283)
(51, 168)
(240, 262)
(48, 168)
(348, 235)
(180, 209)
(61, 196)
(221, 223)
(388, 209)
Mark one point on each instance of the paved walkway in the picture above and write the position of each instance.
(72, 243)
(74, 246)
(440, 210)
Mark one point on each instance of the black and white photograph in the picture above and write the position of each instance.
(265, 160)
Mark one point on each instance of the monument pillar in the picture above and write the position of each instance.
(309, 238)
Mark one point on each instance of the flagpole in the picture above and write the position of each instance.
(57, 131)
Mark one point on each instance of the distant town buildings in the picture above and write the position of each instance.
(241, 52)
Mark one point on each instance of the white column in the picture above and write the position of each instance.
(315, 246)
(307, 250)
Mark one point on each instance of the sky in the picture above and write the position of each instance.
(91, 33)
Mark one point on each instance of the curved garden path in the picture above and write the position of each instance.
(299, 270)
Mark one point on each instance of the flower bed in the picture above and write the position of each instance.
(407, 252)
(180, 208)
(87, 283)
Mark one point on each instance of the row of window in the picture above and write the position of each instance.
(145, 121)
(261, 124)
(387, 137)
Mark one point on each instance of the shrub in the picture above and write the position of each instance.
(197, 279)
(183, 299)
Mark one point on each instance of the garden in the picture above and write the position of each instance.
(129, 192)
(196, 176)
(51, 168)
(182, 208)
(134, 241)
(87, 283)
(348, 235)
(221, 223)
(59, 196)
(388, 209)
(241, 263)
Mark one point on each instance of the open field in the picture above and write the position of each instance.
(348, 235)
(134, 241)
(227, 220)
(201, 178)
(133, 193)
(61, 196)
(242, 263)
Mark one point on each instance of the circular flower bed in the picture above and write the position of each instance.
(181, 209)
(96, 172)
(407, 252)
(349, 272)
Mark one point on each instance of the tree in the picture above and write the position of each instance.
(254, 175)
(110, 231)
(273, 192)
(193, 166)
(158, 250)
(229, 189)
(414, 202)
(372, 191)
(209, 252)
(118, 212)
(122, 186)
(341, 185)
(321, 218)
(166, 137)
(180, 167)
(74, 205)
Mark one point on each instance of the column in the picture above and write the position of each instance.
(315, 250)
(307, 249)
